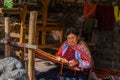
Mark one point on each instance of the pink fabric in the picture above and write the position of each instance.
(84, 52)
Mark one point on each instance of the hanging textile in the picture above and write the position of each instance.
(88, 28)
(88, 13)
(89, 9)
(105, 17)
(117, 13)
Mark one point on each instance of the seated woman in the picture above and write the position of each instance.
(76, 52)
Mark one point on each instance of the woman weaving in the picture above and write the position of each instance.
(78, 56)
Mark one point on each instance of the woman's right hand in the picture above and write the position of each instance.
(58, 58)
(63, 60)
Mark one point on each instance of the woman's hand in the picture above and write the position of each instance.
(58, 58)
(73, 63)
(63, 60)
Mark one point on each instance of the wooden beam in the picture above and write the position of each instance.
(23, 45)
(17, 35)
(22, 28)
(50, 23)
(32, 27)
(12, 10)
(45, 11)
(49, 46)
(50, 28)
(7, 36)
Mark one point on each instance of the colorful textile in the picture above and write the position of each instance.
(89, 25)
(89, 9)
(111, 78)
(117, 13)
(81, 53)
(88, 28)
(88, 13)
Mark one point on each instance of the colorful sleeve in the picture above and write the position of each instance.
(82, 62)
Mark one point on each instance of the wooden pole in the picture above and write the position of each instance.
(7, 36)
(45, 11)
(22, 30)
(31, 37)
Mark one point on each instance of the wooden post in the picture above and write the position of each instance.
(31, 37)
(22, 30)
(7, 36)
(45, 11)
(61, 37)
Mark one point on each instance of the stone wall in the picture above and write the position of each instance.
(106, 52)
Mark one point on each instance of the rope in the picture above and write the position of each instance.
(60, 73)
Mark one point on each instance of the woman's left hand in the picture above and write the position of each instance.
(73, 63)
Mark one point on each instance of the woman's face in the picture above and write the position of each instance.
(72, 39)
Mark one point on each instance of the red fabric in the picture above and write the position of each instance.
(105, 17)
(69, 55)
(89, 9)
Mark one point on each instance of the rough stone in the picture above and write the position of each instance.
(11, 68)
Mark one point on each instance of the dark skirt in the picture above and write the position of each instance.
(67, 74)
